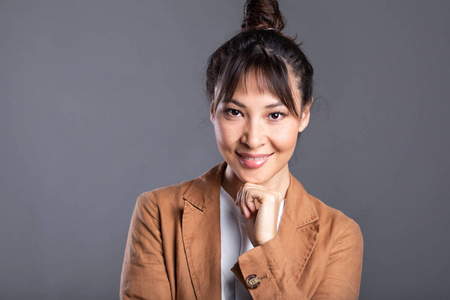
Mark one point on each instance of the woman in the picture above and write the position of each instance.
(190, 241)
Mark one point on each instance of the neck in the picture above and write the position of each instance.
(279, 182)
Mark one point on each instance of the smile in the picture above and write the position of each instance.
(253, 161)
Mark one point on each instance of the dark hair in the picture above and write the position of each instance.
(261, 48)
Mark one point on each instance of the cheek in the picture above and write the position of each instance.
(226, 134)
(285, 139)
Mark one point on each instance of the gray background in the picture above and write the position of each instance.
(102, 100)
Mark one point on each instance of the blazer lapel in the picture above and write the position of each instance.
(297, 231)
(201, 233)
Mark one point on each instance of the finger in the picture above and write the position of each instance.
(244, 209)
(238, 196)
(261, 194)
(240, 201)
(250, 201)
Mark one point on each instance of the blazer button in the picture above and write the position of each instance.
(253, 281)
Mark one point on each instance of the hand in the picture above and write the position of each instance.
(260, 207)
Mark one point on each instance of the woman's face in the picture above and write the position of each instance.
(256, 133)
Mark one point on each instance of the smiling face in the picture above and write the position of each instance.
(256, 135)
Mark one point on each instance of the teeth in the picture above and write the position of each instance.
(254, 158)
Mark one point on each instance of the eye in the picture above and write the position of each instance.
(233, 112)
(276, 115)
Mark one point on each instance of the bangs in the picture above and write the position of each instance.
(270, 71)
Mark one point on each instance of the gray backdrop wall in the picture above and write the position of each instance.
(102, 100)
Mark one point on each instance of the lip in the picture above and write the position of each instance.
(253, 161)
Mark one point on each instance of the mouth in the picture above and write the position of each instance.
(253, 161)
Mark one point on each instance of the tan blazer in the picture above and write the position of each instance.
(173, 247)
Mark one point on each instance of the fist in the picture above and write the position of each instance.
(260, 207)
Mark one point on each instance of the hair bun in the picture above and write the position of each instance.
(262, 14)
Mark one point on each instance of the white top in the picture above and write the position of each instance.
(234, 242)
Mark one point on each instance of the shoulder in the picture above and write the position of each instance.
(304, 209)
(333, 222)
(329, 214)
(200, 191)
(164, 197)
(163, 193)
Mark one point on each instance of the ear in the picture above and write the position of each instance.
(305, 114)
(211, 112)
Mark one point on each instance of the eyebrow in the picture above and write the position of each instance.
(276, 104)
(236, 102)
(240, 104)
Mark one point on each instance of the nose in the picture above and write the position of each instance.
(254, 134)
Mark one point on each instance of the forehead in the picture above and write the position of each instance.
(261, 76)
(256, 83)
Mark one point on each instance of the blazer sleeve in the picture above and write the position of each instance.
(341, 277)
(144, 274)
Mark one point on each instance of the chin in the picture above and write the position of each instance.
(255, 176)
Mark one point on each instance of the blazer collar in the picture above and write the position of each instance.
(298, 206)
(201, 233)
(298, 230)
(205, 190)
